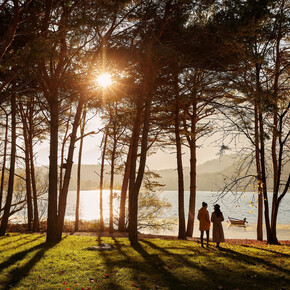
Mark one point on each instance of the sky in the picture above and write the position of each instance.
(158, 161)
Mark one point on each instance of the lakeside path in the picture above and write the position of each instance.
(158, 262)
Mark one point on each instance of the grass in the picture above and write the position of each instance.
(27, 262)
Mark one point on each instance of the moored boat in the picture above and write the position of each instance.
(235, 221)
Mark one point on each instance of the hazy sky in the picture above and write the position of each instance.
(160, 160)
(206, 150)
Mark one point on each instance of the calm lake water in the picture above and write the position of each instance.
(242, 205)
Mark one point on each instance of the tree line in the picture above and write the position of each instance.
(182, 70)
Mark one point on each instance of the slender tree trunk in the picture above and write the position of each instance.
(34, 190)
(4, 162)
(27, 177)
(122, 214)
(181, 217)
(257, 155)
(24, 118)
(133, 200)
(79, 172)
(32, 169)
(111, 226)
(53, 171)
(65, 137)
(192, 144)
(276, 173)
(135, 184)
(102, 180)
(264, 180)
(5, 217)
(67, 176)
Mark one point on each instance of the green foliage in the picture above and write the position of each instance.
(27, 262)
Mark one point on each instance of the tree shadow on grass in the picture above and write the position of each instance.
(267, 250)
(110, 284)
(159, 266)
(251, 260)
(9, 237)
(230, 278)
(20, 244)
(18, 273)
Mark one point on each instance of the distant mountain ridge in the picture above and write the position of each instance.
(212, 175)
(209, 175)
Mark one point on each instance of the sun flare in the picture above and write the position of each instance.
(104, 80)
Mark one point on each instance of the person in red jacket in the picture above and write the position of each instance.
(204, 223)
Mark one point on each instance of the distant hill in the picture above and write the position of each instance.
(211, 175)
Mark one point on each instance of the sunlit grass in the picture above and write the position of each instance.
(27, 262)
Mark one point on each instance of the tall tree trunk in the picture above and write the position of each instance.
(34, 190)
(4, 162)
(26, 135)
(27, 177)
(122, 212)
(64, 190)
(79, 171)
(102, 180)
(181, 217)
(257, 157)
(133, 201)
(192, 144)
(264, 179)
(32, 168)
(276, 173)
(5, 217)
(65, 138)
(111, 226)
(53, 171)
(135, 184)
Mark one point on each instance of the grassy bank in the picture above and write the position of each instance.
(27, 262)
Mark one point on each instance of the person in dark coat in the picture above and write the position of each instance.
(204, 223)
(217, 229)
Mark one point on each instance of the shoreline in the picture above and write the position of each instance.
(117, 234)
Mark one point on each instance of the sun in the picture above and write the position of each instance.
(104, 80)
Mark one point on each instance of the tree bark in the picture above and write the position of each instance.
(181, 217)
(27, 176)
(6, 214)
(4, 162)
(192, 144)
(111, 226)
(102, 180)
(122, 213)
(257, 157)
(53, 170)
(133, 199)
(79, 172)
(64, 190)
(264, 179)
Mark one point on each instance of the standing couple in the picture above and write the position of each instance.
(204, 224)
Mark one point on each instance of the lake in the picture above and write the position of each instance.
(241, 205)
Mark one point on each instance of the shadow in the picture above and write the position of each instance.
(20, 244)
(250, 260)
(118, 246)
(160, 267)
(267, 250)
(212, 274)
(181, 259)
(9, 237)
(18, 273)
(109, 264)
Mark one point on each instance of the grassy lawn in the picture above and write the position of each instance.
(26, 262)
